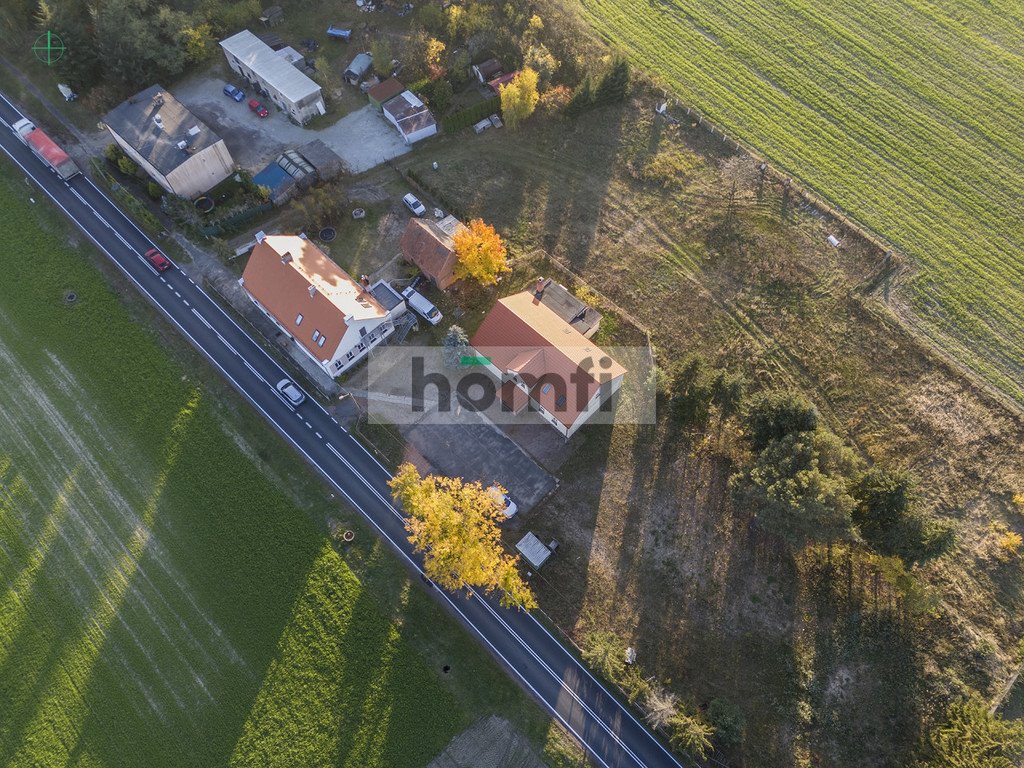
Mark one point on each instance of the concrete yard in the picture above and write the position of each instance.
(476, 450)
(363, 139)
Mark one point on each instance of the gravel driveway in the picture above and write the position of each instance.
(362, 139)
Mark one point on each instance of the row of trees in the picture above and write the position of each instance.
(126, 42)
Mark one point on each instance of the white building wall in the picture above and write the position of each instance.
(593, 406)
(202, 171)
(300, 114)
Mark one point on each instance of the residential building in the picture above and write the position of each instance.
(410, 116)
(543, 363)
(272, 72)
(334, 319)
(177, 149)
(431, 247)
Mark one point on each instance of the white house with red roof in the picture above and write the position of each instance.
(333, 318)
(543, 362)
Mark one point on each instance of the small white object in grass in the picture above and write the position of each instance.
(833, 241)
(435, 165)
(630, 655)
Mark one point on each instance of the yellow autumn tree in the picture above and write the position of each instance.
(481, 254)
(455, 525)
(519, 98)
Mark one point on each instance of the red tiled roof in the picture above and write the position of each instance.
(521, 335)
(288, 275)
(383, 91)
(431, 249)
(497, 82)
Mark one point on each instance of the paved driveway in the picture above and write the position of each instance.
(363, 138)
(475, 450)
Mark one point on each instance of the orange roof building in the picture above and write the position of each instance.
(332, 318)
(543, 361)
(431, 247)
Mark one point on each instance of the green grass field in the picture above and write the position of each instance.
(905, 114)
(164, 599)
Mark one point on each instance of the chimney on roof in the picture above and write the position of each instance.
(286, 257)
(312, 291)
(261, 236)
(159, 99)
(158, 121)
(538, 288)
(364, 280)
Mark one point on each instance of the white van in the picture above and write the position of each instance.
(421, 305)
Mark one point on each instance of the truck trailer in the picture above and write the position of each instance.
(45, 149)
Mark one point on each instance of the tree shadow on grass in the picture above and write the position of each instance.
(570, 516)
(577, 196)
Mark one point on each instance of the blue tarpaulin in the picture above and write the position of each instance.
(272, 177)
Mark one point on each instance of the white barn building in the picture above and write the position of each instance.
(288, 88)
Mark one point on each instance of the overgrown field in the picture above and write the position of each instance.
(164, 598)
(906, 115)
(652, 548)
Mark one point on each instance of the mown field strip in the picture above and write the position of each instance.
(907, 115)
(162, 601)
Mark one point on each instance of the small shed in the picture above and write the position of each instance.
(272, 16)
(384, 91)
(486, 71)
(410, 116)
(324, 160)
(533, 550)
(360, 66)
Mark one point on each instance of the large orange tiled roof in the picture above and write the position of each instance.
(289, 276)
(522, 335)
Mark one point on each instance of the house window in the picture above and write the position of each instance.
(545, 389)
(362, 331)
(321, 342)
(298, 319)
(316, 335)
(337, 365)
(349, 355)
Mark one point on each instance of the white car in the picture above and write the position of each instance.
(421, 305)
(287, 389)
(413, 204)
(508, 507)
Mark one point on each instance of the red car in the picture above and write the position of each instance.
(158, 260)
(258, 108)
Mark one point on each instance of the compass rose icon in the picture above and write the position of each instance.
(48, 48)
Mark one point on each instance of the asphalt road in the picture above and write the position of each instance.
(519, 642)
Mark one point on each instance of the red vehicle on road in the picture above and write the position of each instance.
(258, 108)
(158, 260)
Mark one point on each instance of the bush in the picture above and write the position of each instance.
(113, 153)
(778, 413)
(727, 721)
(604, 652)
(471, 115)
(154, 190)
(127, 166)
